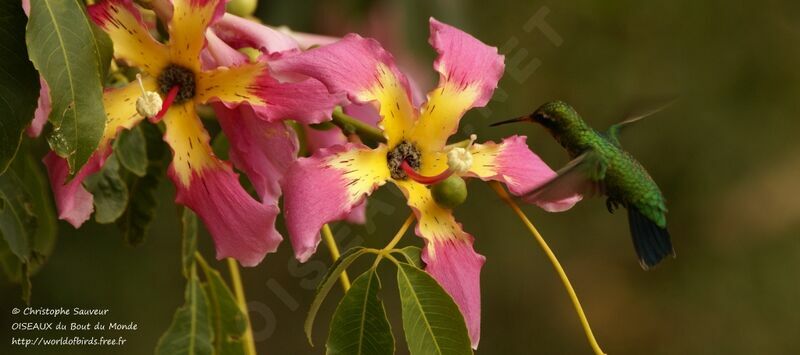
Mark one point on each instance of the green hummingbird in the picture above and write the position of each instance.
(600, 166)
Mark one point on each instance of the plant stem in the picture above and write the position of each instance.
(351, 124)
(327, 236)
(400, 233)
(386, 251)
(236, 279)
(553, 260)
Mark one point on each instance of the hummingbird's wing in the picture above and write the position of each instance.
(637, 115)
(583, 175)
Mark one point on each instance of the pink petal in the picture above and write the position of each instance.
(218, 53)
(242, 228)
(465, 61)
(514, 164)
(317, 139)
(263, 150)
(364, 112)
(74, 203)
(239, 33)
(42, 111)
(325, 187)
(457, 267)
(306, 101)
(349, 65)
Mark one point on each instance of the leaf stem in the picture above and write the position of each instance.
(327, 236)
(236, 279)
(554, 261)
(400, 233)
(387, 250)
(351, 124)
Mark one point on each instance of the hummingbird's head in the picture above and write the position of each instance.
(554, 115)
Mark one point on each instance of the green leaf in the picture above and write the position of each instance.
(73, 57)
(190, 332)
(142, 200)
(412, 255)
(359, 325)
(189, 240)
(325, 286)
(19, 82)
(130, 148)
(25, 179)
(109, 191)
(228, 320)
(431, 319)
(221, 146)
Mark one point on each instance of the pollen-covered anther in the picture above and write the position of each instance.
(459, 160)
(177, 76)
(149, 104)
(403, 152)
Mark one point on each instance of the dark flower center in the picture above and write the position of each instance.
(182, 77)
(404, 151)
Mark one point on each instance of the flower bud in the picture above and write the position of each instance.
(242, 8)
(451, 192)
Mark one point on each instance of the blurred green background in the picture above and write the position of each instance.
(725, 155)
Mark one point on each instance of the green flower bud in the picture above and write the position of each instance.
(251, 53)
(450, 192)
(242, 8)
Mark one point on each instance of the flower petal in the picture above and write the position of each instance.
(307, 101)
(325, 187)
(448, 253)
(242, 227)
(318, 139)
(189, 142)
(263, 150)
(369, 75)
(132, 42)
(74, 203)
(220, 53)
(468, 74)
(514, 164)
(120, 106)
(187, 29)
(457, 268)
(42, 111)
(239, 33)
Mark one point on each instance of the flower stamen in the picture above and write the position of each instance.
(422, 179)
(167, 103)
(149, 104)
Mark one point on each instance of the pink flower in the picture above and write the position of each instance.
(326, 186)
(242, 227)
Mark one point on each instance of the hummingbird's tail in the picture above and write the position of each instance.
(518, 119)
(652, 243)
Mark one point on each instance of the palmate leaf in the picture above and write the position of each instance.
(190, 332)
(19, 82)
(109, 191)
(188, 240)
(432, 322)
(130, 147)
(142, 200)
(25, 203)
(412, 254)
(73, 57)
(327, 283)
(359, 325)
(226, 317)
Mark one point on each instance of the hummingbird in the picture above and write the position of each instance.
(601, 167)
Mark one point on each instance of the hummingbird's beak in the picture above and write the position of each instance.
(518, 119)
